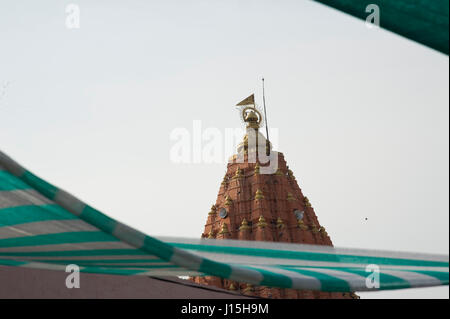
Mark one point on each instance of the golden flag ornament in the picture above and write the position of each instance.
(248, 101)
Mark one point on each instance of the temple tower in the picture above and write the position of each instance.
(258, 202)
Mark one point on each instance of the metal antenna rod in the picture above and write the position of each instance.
(265, 118)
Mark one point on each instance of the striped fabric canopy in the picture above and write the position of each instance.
(42, 226)
(423, 21)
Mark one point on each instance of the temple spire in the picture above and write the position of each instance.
(253, 204)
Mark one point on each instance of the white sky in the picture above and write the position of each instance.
(362, 114)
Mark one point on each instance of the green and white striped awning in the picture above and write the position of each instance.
(42, 226)
(423, 21)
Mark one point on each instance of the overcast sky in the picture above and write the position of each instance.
(362, 114)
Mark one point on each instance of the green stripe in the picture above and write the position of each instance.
(74, 253)
(9, 182)
(98, 219)
(352, 268)
(328, 282)
(105, 261)
(385, 279)
(9, 262)
(140, 267)
(111, 271)
(215, 268)
(442, 276)
(55, 239)
(33, 213)
(310, 256)
(46, 189)
(131, 267)
(158, 248)
(273, 279)
(100, 264)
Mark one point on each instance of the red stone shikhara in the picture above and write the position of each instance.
(268, 207)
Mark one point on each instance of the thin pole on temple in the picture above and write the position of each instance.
(265, 119)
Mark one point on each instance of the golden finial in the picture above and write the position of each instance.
(211, 234)
(290, 197)
(228, 201)
(257, 168)
(252, 117)
(261, 222)
(244, 225)
(259, 194)
(238, 173)
(213, 210)
(280, 223)
(302, 225)
(232, 287)
(306, 201)
(224, 229)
